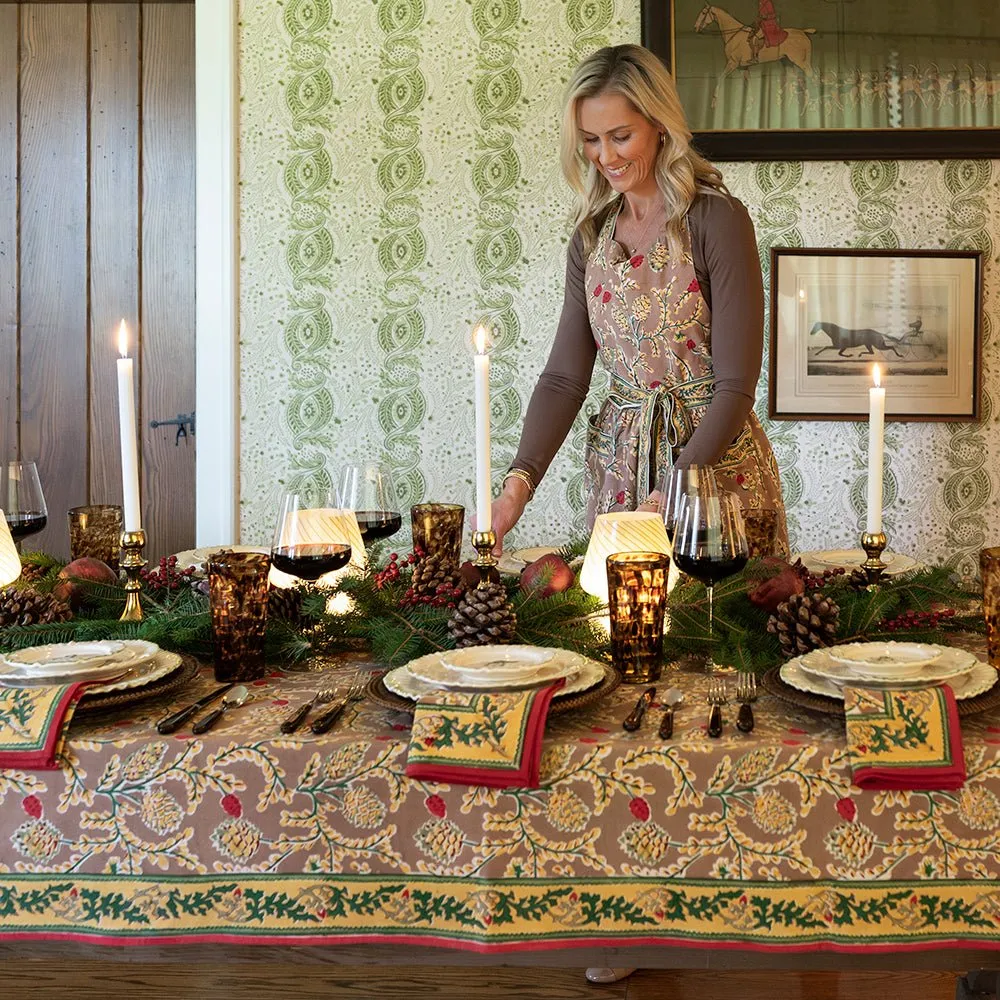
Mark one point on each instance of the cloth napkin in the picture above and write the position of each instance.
(480, 738)
(904, 738)
(33, 724)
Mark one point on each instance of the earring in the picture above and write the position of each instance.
(663, 138)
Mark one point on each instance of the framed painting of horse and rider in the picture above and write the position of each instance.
(837, 313)
(831, 79)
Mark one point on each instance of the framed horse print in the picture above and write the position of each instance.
(831, 79)
(835, 314)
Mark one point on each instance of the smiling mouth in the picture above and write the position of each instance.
(617, 171)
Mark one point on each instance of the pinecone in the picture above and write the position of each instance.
(804, 622)
(28, 607)
(285, 603)
(483, 616)
(31, 573)
(431, 572)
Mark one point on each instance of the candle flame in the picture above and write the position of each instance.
(123, 339)
(876, 376)
(479, 339)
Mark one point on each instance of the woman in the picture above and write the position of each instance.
(663, 282)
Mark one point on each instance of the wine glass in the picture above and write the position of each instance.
(710, 543)
(677, 484)
(367, 489)
(306, 541)
(23, 500)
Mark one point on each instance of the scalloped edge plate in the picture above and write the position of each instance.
(816, 561)
(589, 672)
(951, 662)
(980, 679)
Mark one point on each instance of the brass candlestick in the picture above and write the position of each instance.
(483, 542)
(133, 542)
(874, 545)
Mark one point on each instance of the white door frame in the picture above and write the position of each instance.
(217, 388)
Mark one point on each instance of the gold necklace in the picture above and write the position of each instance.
(650, 223)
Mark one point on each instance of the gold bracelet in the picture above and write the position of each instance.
(523, 476)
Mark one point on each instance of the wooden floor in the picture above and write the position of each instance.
(86, 980)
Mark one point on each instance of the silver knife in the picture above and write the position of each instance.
(171, 723)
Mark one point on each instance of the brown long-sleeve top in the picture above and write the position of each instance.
(724, 251)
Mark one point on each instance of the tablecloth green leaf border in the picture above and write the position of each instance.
(395, 632)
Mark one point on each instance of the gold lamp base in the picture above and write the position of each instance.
(132, 562)
(874, 544)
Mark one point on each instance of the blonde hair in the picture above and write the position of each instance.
(681, 173)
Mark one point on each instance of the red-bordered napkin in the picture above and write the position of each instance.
(904, 738)
(480, 738)
(33, 724)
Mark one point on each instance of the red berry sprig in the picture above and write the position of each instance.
(816, 581)
(166, 576)
(393, 571)
(445, 596)
(916, 620)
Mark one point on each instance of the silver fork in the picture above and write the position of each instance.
(299, 715)
(746, 695)
(324, 722)
(716, 699)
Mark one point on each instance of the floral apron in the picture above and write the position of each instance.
(652, 327)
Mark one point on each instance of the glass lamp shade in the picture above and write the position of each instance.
(317, 525)
(625, 531)
(10, 562)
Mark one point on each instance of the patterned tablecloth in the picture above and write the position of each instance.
(245, 835)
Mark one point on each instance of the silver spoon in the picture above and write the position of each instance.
(234, 699)
(671, 699)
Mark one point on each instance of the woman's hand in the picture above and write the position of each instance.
(507, 510)
(653, 502)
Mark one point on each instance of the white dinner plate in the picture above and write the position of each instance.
(68, 661)
(980, 679)
(497, 659)
(896, 563)
(589, 673)
(198, 558)
(891, 656)
(510, 673)
(135, 675)
(950, 662)
(515, 560)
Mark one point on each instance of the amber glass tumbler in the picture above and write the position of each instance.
(237, 593)
(989, 567)
(637, 602)
(96, 531)
(437, 531)
(762, 531)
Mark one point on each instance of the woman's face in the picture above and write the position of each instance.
(620, 142)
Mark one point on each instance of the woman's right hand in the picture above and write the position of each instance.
(507, 510)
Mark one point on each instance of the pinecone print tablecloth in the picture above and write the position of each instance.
(246, 834)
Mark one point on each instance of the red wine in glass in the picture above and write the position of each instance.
(376, 524)
(710, 570)
(24, 523)
(310, 561)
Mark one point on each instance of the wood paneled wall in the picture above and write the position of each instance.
(97, 205)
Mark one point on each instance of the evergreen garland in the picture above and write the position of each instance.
(396, 631)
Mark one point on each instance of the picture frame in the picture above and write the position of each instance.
(837, 312)
(879, 86)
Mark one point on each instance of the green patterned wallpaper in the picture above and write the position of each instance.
(400, 183)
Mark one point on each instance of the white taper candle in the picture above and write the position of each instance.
(127, 433)
(876, 449)
(484, 505)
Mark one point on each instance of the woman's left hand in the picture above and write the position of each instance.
(653, 502)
